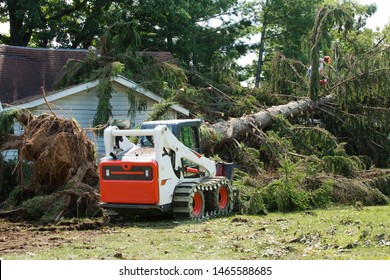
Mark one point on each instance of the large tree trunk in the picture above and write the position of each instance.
(19, 33)
(235, 127)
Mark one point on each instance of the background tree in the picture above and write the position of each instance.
(183, 28)
(357, 79)
(284, 25)
(70, 23)
(360, 80)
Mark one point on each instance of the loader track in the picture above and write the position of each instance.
(212, 197)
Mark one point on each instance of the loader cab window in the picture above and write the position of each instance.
(190, 138)
(146, 141)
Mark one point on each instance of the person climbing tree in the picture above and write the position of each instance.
(325, 60)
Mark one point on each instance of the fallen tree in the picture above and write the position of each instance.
(233, 128)
(62, 163)
(64, 169)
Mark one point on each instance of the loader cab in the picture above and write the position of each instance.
(187, 131)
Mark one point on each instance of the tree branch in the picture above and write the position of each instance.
(11, 142)
(66, 12)
(358, 76)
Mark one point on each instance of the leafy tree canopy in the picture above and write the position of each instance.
(46, 23)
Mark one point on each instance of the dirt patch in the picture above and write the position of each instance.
(22, 237)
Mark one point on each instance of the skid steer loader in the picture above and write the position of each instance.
(163, 173)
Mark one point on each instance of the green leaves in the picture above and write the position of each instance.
(120, 38)
(160, 109)
(7, 121)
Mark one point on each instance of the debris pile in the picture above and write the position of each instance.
(62, 165)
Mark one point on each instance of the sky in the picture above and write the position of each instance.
(381, 16)
(379, 19)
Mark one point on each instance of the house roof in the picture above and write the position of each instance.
(50, 97)
(24, 70)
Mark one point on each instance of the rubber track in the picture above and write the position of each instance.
(184, 193)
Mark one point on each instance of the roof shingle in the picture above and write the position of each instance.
(24, 70)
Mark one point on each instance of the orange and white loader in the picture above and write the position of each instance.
(164, 172)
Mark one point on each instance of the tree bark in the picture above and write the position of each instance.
(235, 127)
(20, 35)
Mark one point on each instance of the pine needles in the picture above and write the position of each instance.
(313, 171)
(7, 121)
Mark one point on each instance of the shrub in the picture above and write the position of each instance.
(322, 196)
(348, 166)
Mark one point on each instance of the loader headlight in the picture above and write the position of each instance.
(107, 172)
(147, 173)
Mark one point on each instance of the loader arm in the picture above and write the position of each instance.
(165, 139)
(164, 142)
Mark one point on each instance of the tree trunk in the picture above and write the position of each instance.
(260, 59)
(18, 33)
(314, 81)
(261, 49)
(235, 127)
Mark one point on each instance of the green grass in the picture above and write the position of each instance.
(336, 233)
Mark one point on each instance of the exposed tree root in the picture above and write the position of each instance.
(64, 179)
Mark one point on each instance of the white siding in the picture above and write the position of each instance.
(82, 107)
(13, 154)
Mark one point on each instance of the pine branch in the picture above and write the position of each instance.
(375, 108)
(215, 89)
(357, 77)
(293, 69)
(331, 114)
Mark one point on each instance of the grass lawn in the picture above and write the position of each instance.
(337, 233)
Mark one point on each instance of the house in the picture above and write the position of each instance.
(24, 70)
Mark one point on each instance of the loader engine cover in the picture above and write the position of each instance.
(129, 182)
